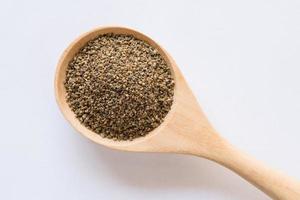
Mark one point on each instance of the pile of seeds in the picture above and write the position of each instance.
(119, 86)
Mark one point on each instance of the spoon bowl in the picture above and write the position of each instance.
(153, 141)
(185, 129)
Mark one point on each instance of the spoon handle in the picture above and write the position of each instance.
(271, 182)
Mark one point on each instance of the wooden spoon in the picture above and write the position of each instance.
(185, 129)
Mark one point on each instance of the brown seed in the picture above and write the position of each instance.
(120, 87)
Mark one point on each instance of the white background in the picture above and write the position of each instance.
(241, 58)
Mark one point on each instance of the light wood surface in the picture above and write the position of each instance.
(185, 130)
